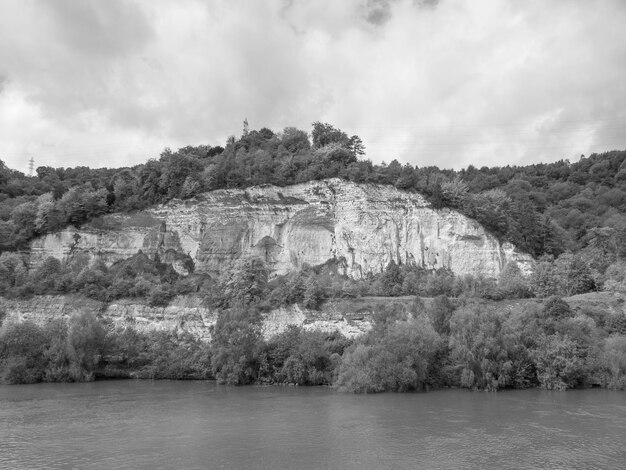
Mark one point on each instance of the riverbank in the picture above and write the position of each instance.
(412, 344)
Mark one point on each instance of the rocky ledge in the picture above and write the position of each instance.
(185, 314)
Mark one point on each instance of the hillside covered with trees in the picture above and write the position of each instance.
(570, 216)
(543, 208)
(576, 211)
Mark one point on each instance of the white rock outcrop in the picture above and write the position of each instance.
(362, 226)
(185, 314)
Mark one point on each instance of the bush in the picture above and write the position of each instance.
(80, 349)
(370, 369)
(294, 371)
(86, 342)
(236, 346)
(398, 361)
(613, 361)
(175, 357)
(22, 347)
(560, 363)
(17, 370)
(160, 296)
(303, 357)
(477, 349)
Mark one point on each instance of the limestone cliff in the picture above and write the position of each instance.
(351, 317)
(185, 314)
(362, 225)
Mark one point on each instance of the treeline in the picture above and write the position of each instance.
(544, 209)
(412, 346)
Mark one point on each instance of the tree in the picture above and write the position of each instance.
(396, 362)
(355, 145)
(454, 193)
(86, 341)
(126, 189)
(560, 363)
(12, 271)
(391, 280)
(24, 218)
(213, 151)
(245, 284)
(557, 309)
(614, 361)
(313, 294)
(573, 274)
(295, 140)
(22, 347)
(512, 282)
(236, 346)
(83, 203)
(543, 280)
(441, 310)
(176, 168)
(324, 134)
(480, 350)
(436, 196)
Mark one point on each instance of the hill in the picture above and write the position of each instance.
(274, 225)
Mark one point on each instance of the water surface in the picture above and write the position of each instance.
(163, 424)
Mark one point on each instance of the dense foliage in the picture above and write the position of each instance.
(83, 348)
(136, 277)
(247, 281)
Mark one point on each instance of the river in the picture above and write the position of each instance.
(168, 424)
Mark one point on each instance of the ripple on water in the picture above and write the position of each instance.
(130, 424)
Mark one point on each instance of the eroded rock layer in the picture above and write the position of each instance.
(362, 226)
(185, 314)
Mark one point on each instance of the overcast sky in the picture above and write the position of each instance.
(447, 83)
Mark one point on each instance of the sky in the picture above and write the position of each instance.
(448, 83)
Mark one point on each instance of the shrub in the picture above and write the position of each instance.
(22, 347)
(477, 348)
(614, 361)
(86, 342)
(398, 361)
(160, 296)
(560, 363)
(303, 357)
(294, 371)
(236, 345)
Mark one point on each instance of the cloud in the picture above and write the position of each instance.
(95, 29)
(377, 11)
(450, 83)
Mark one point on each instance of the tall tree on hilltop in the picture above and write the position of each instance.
(324, 134)
(355, 145)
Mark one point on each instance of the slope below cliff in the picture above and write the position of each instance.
(365, 226)
(187, 314)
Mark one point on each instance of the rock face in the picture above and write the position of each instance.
(185, 314)
(363, 226)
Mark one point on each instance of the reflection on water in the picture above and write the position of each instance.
(142, 424)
